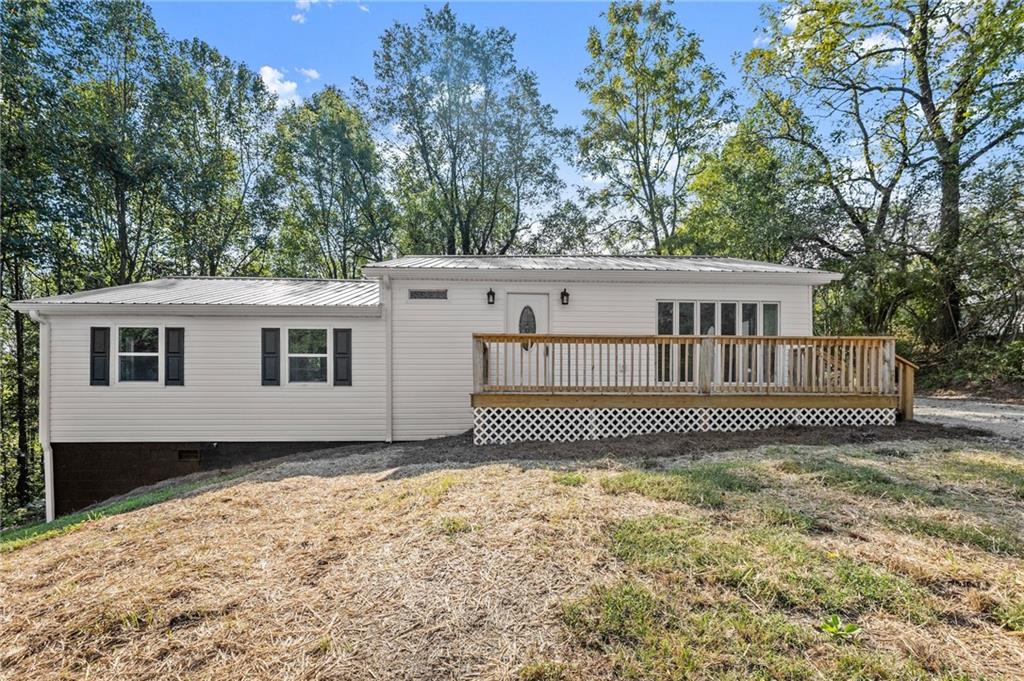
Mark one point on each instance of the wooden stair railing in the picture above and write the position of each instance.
(905, 370)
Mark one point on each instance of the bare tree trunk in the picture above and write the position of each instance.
(951, 268)
(21, 490)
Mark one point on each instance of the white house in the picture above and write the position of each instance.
(151, 380)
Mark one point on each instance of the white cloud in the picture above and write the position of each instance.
(364, 7)
(303, 5)
(285, 90)
(299, 18)
(762, 40)
(310, 74)
(880, 41)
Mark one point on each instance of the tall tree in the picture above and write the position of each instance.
(216, 137)
(337, 215)
(112, 175)
(654, 106)
(476, 147)
(751, 199)
(39, 45)
(958, 65)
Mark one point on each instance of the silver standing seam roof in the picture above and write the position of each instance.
(214, 291)
(620, 263)
(362, 296)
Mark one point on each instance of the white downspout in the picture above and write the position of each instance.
(44, 409)
(386, 301)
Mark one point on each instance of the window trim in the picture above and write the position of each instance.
(674, 302)
(286, 354)
(159, 354)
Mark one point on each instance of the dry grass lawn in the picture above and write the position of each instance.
(898, 559)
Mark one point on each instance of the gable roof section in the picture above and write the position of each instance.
(590, 266)
(217, 294)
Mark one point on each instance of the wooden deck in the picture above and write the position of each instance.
(656, 371)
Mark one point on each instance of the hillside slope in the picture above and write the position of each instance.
(520, 563)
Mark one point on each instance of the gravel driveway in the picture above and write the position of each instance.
(1005, 420)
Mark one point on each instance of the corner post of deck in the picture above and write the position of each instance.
(479, 362)
(707, 365)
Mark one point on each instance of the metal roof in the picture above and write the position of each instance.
(620, 263)
(215, 291)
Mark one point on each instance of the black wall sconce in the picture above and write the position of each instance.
(565, 297)
(490, 297)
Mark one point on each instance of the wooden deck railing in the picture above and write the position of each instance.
(823, 365)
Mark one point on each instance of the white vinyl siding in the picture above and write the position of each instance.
(222, 399)
(432, 360)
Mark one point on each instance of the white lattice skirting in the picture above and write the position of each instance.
(500, 425)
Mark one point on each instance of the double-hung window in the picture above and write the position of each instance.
(307, 355)
(138, 354)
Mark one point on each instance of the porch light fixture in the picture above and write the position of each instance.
(490, 297)
(565, 297)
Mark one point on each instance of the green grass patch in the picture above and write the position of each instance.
(778, 515)
(704, 485)
(568, 478)
(1005, 474)
(19, 537)
(625, 613)
(991, 538)
(773, 566)
(1011, 615)
(543, 670)
(859, 479)
(436, 488)
(453, 525)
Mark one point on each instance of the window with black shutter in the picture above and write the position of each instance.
(174, 356)
(99, 355)
(343, 357)
(271, 339)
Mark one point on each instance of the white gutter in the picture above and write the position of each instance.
(388, 310)
(44, 409)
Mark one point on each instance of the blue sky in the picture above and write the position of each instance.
(334, 40)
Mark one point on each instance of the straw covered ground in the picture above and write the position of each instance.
(886, 553)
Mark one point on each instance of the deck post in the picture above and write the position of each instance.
(707, 365)
(479, 360)
(906, 390)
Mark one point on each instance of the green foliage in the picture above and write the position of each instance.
(481, 147)
(838, 630)
(699, 484)
(1011, 615)
(654, 105)
(330, 170)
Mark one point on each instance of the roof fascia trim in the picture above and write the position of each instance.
(197, 309)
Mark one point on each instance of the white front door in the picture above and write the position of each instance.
(526, 313)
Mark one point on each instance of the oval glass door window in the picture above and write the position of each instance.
(527, 323)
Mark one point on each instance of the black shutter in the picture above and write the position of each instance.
(174, 356)
(99, 355)
(343, 357)
(271, 356)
